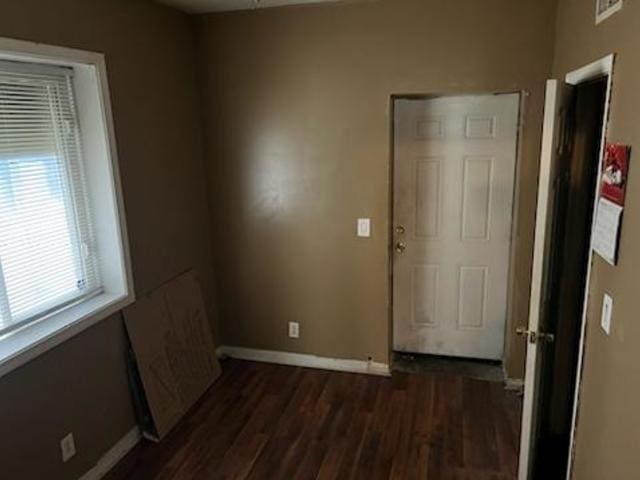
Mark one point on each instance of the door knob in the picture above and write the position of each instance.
(400, 247)
(535, 337)
(400, 230)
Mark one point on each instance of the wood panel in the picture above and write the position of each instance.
(262, 421)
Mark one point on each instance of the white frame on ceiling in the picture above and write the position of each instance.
(602, 16)
(105, 196)
(602, 68)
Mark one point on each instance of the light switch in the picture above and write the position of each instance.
(607, 308)
(364, 227)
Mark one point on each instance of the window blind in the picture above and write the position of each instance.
(47, 254)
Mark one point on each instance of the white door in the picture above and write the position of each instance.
(555, 138)
(454, 168)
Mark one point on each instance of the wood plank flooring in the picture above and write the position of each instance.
(264, 422)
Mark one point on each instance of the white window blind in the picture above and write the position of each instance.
(47, 254)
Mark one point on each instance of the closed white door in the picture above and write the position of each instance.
(454, 168)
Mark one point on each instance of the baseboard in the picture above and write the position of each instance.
(514, 384)
(305, 360)
(114, 455)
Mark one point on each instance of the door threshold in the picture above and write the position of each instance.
(487, 370)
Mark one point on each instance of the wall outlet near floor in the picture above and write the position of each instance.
(68, 447)
(607, 308)
(294, 329)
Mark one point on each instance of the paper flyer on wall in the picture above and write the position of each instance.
(605, 238)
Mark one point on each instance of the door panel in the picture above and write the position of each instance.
(554, 152)
(428, 207)
(425, 294)
(453, 194)
(471, 296)
(476, 197)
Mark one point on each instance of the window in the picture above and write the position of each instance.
(47, 259)
(64, 261)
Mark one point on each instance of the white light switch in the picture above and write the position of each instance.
(364, 227)
(607, 308)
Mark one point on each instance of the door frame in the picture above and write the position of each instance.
(598, 69)
(524, 95)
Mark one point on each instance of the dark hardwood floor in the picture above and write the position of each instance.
(262, 421)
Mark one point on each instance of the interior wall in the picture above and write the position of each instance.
(608, 423)
(81, 385)
(297, 104)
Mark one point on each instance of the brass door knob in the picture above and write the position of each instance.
(400, 247)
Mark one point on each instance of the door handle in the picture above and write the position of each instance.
(400, 230)
(535, 337)
(400, 247)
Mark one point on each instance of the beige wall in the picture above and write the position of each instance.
(609, 423)
(81, 386)
(297, 106)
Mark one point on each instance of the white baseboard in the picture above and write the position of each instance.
(514, 384)
(305, 360)
(114, 455)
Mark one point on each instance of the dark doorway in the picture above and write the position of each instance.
(570, 253)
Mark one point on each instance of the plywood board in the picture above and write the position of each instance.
(174, 350)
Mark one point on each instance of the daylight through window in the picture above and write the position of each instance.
(47, 251)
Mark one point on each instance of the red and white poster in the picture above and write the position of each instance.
(615, 169)
(613, 186)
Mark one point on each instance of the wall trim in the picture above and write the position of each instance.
(116, 453)
(305, 360)
(514, 385)
(600, 68)
(511, 383)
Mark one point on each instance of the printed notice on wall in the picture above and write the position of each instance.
(605, 236)
(613, 187)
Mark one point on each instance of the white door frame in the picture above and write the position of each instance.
(600, 68)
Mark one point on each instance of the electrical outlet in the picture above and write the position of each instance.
(294, 329)
(67, 447)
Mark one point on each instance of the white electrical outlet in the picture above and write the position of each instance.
(607, 308)
(294, 329)
(67, 447)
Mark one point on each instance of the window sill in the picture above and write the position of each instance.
(29, 342)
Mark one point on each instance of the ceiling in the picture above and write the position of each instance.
(206, 6)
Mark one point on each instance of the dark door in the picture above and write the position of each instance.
(574, 191)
